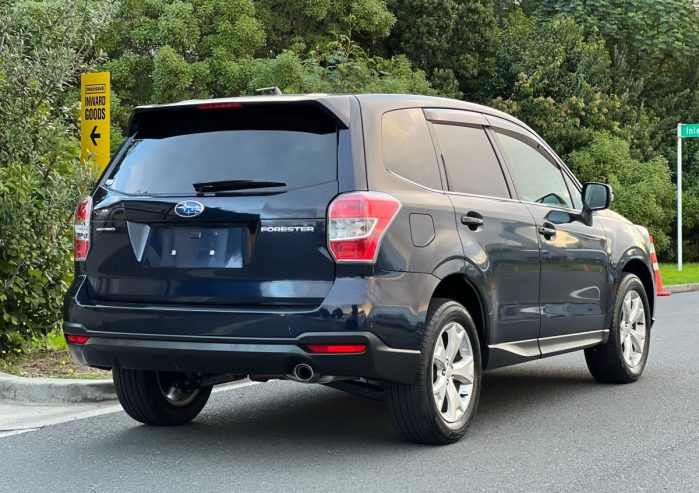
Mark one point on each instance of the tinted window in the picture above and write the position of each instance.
(472, 166)
(536, 178)
(406, 147)
(173, 150)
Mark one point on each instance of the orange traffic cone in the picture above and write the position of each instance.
(659, 290)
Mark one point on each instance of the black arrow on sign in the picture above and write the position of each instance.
(94, 135)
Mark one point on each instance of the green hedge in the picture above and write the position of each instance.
(43, 48)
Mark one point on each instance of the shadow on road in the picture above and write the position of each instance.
(528, 388)
(273, 418)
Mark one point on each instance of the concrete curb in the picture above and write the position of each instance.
(55, 390)
(682, 288)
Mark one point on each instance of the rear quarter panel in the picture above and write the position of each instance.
(423, 239)
(404, 250)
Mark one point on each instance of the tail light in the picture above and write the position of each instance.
(82, 228)
(357, 222)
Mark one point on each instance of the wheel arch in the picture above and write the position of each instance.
(459, 288)
(638, 267)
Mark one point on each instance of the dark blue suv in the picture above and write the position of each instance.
(392, 246)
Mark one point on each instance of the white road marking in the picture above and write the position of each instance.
(17, 418)
(16, 432)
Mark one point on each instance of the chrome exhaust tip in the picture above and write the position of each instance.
(303, 372)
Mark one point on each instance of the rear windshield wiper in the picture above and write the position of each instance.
(229, 185)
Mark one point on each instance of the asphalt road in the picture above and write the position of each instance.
(542, 426)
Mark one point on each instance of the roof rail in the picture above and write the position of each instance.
(268, 91)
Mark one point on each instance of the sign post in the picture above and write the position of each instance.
(684, 131)
(95, 118)
(679, 197)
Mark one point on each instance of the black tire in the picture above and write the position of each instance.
(140, 394)
(413, 409)
(606, 362)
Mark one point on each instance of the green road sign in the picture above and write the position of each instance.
(689, 130)
(684, 131)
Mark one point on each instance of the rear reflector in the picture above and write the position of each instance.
(336, 348)
(357, 222)
(75, 339)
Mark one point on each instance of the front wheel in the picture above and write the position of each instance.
(158, 398)
(623, 357)
(438, 406)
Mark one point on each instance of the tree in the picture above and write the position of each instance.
(314, 23)
(451, 40)
(43, 48)
(549, 74)
(643, 192)
(165, 50)
(655, 44)
(156, 57)
(653, 31)
(341, 66)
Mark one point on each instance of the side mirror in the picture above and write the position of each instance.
(597, 196)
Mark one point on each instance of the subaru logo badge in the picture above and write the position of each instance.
(189, 208)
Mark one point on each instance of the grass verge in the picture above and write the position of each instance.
(670, 275)
(45, 357)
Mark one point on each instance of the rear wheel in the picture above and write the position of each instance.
(158, 398)
(438, 407)
(623, 357)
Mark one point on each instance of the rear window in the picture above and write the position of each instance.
(173, 149)
(407, 149)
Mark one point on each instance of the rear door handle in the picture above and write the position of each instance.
(548, 230)
(473, 220)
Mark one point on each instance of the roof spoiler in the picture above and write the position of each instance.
(337, 109)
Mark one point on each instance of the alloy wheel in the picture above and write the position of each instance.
(175, 394)
(632, 328)
(453, 372)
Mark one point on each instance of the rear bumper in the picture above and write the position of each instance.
(249, 357)
(385, 311)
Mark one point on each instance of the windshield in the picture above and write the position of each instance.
(293, 146)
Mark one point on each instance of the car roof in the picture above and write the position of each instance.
(416, 100)
(339, 104)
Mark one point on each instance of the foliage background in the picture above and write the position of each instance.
(604, 82)
(43, 49)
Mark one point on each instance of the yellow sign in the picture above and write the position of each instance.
(94, 119)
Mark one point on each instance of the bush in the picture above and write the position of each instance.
(43, 48)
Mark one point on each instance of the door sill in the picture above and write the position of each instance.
(510, 353)
(553, 345)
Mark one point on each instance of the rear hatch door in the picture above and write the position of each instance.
(218, 204)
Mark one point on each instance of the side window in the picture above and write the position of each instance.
(407, 149)
(536, 178)
(470, 160)
(574, 193)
